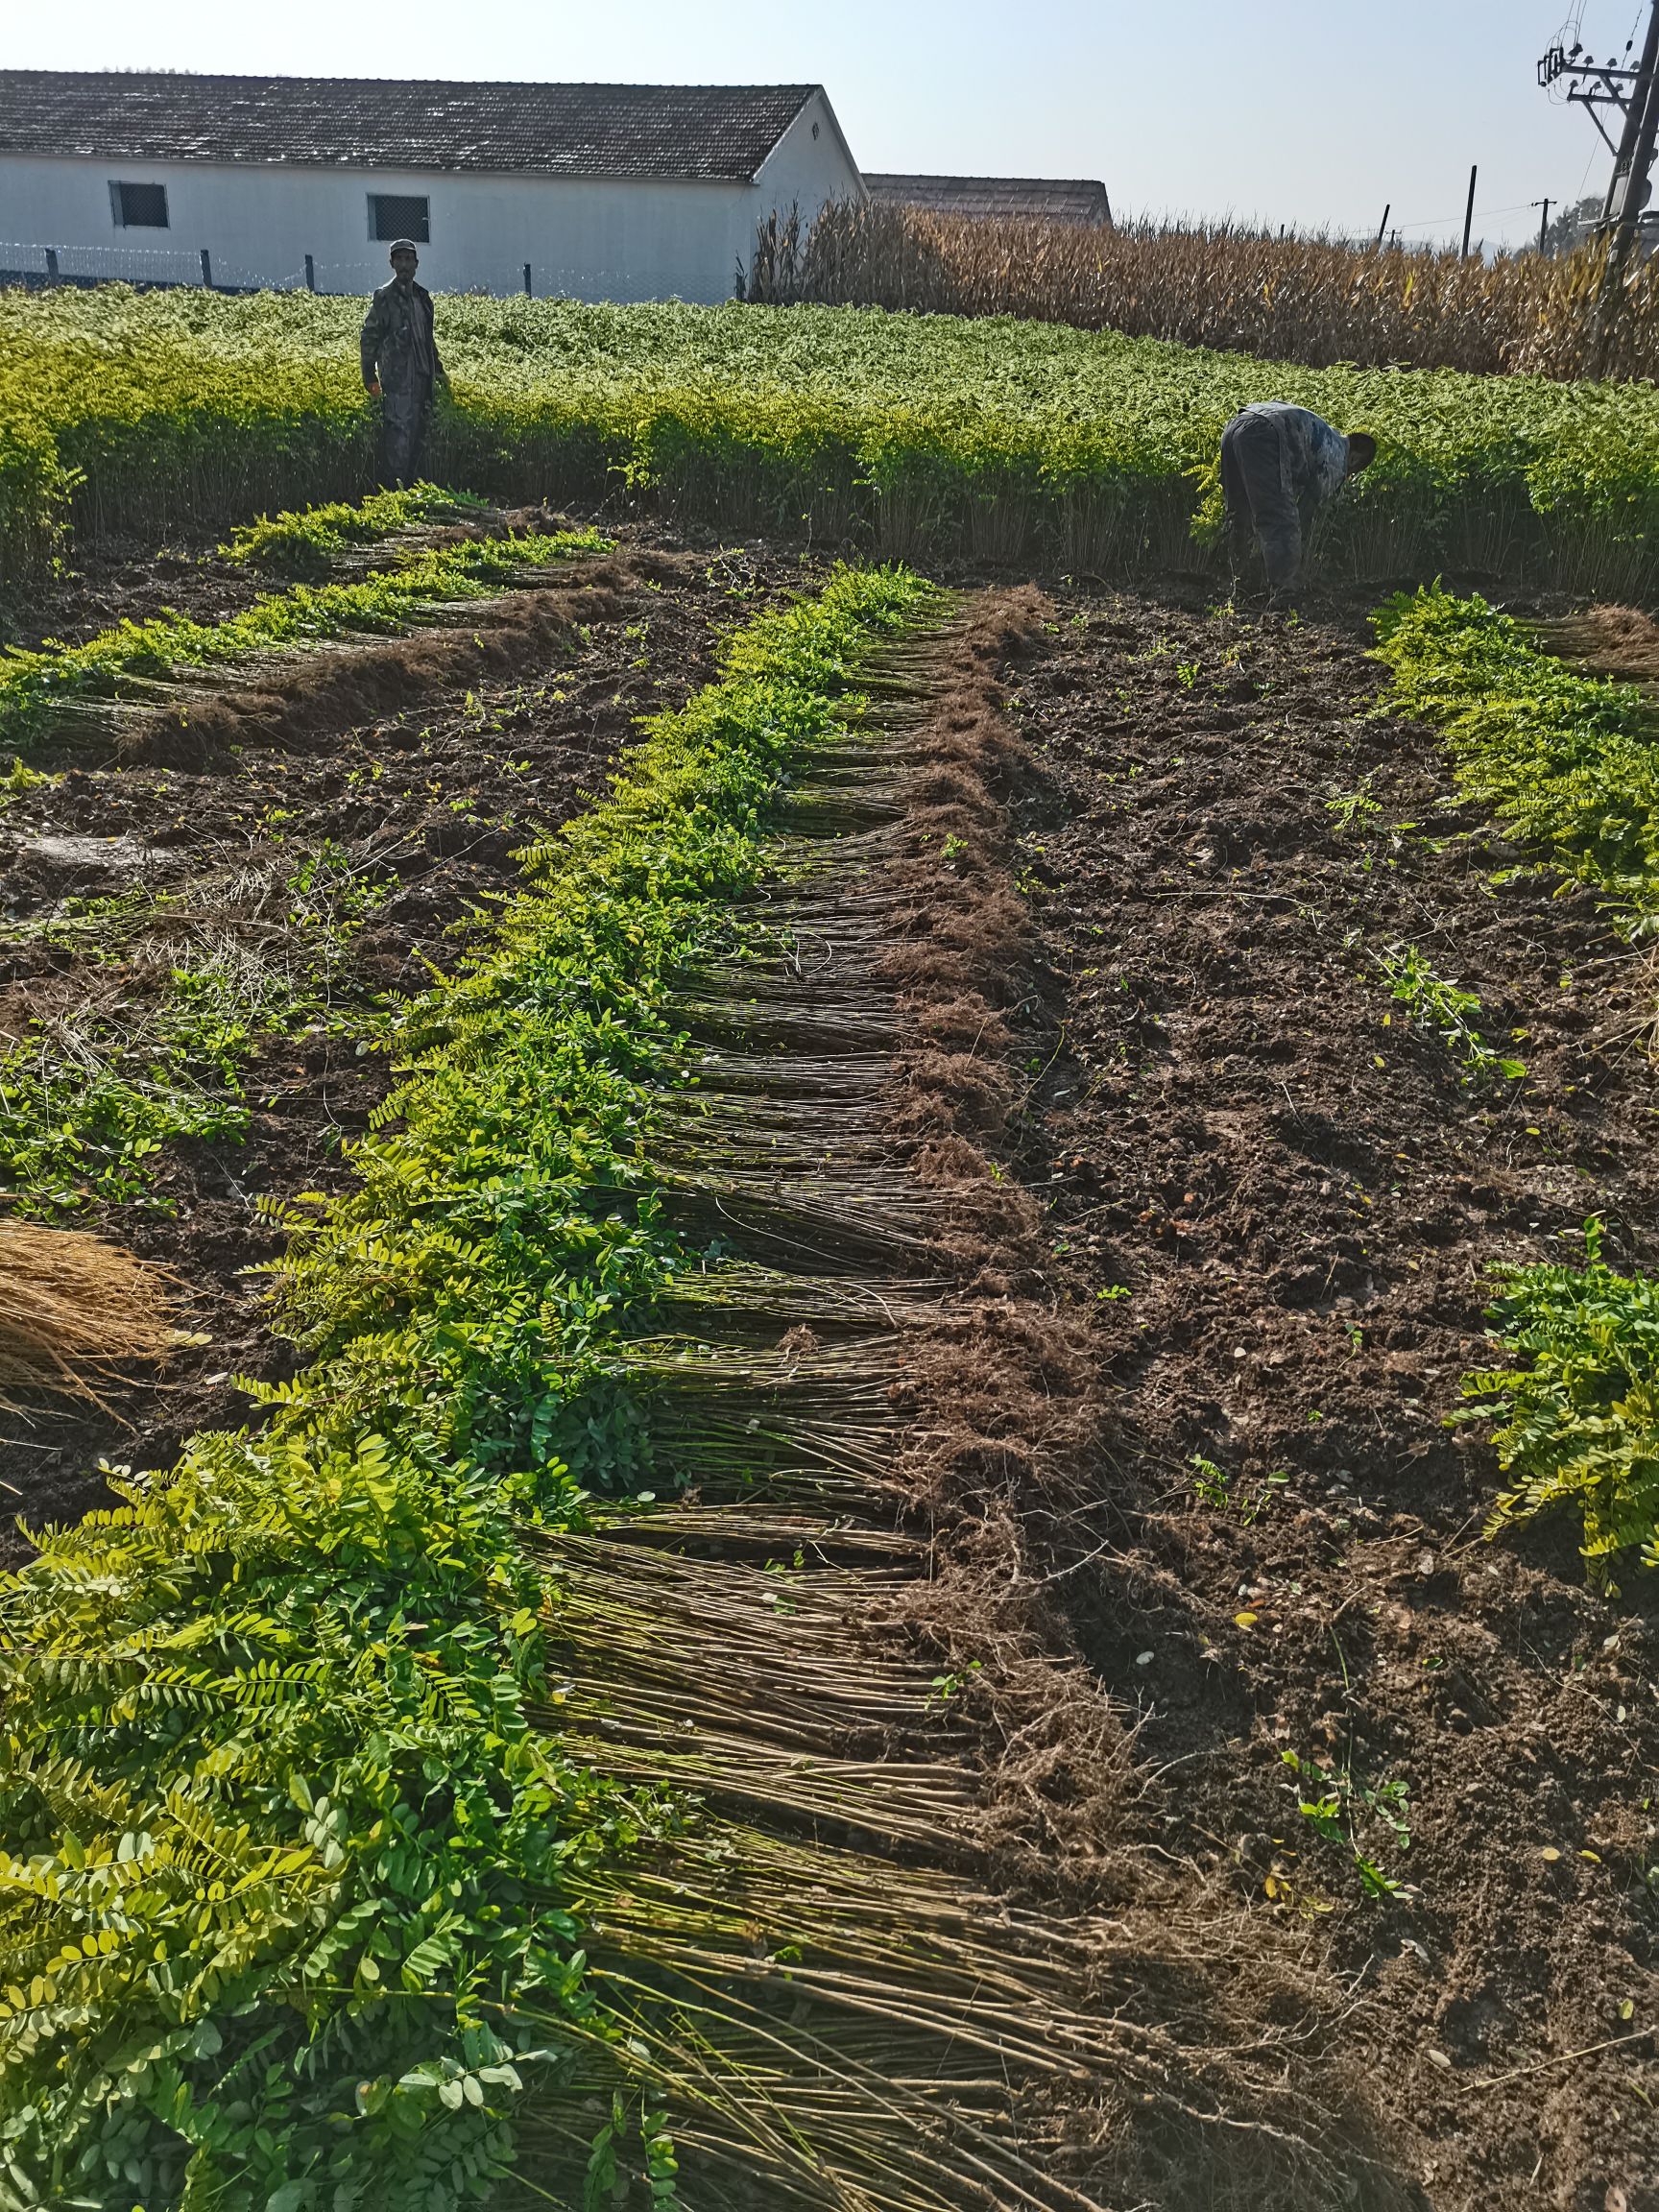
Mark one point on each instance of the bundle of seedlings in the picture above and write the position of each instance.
(311, 543)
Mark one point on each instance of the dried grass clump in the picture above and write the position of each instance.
(73, 1310)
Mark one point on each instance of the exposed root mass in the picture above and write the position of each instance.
(75, 1311)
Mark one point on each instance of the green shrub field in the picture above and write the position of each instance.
(148, 412)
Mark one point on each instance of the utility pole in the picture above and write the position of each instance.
(1592, 85)
(1630, 186)
(1469, 211)
(1629, 193)
(1544, 224)
(1382, 227)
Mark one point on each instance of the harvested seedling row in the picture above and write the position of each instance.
(544, 1820)
(113, 681)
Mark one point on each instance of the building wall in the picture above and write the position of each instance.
(586, 238)
(809, 164)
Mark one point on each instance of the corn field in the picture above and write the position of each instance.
(1310, 301)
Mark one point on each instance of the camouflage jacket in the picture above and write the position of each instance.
(1317, 455)
(397, 345)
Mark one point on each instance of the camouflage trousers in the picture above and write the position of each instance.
(403, 420)
(1256, 484)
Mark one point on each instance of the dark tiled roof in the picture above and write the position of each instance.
(710, 130)
(1049, 199)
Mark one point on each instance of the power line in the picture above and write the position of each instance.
(1437, 222)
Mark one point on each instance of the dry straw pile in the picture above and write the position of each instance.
(1284, 299)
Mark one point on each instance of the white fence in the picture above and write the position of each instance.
(35, 264)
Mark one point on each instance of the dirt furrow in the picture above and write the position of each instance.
(1279, 1198)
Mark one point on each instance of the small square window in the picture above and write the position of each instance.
(138, 206)
(395, 215)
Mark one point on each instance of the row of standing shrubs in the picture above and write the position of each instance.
(915, 437)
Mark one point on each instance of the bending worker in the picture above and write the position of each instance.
(1280, 466)
(401, 365)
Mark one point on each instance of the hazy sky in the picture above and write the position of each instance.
(1285, 111)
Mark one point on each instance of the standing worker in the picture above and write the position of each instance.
(1280, 466)
(401, 365)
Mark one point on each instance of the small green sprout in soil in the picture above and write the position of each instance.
(18, 780)
(1215, 1487)
(945, 1687)
(1343, 1810)
(1347, 808)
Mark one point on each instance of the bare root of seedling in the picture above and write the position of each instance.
(74, 1310)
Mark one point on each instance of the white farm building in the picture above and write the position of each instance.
(585, 191)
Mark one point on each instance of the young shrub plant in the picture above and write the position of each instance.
(1568, 762)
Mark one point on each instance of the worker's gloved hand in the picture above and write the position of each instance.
(373, 390)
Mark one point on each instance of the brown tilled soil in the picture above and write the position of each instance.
(1280, 1204)
(483, 737)
(113, 580)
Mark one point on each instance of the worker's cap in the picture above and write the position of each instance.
(1362, 449)
(403, 246)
